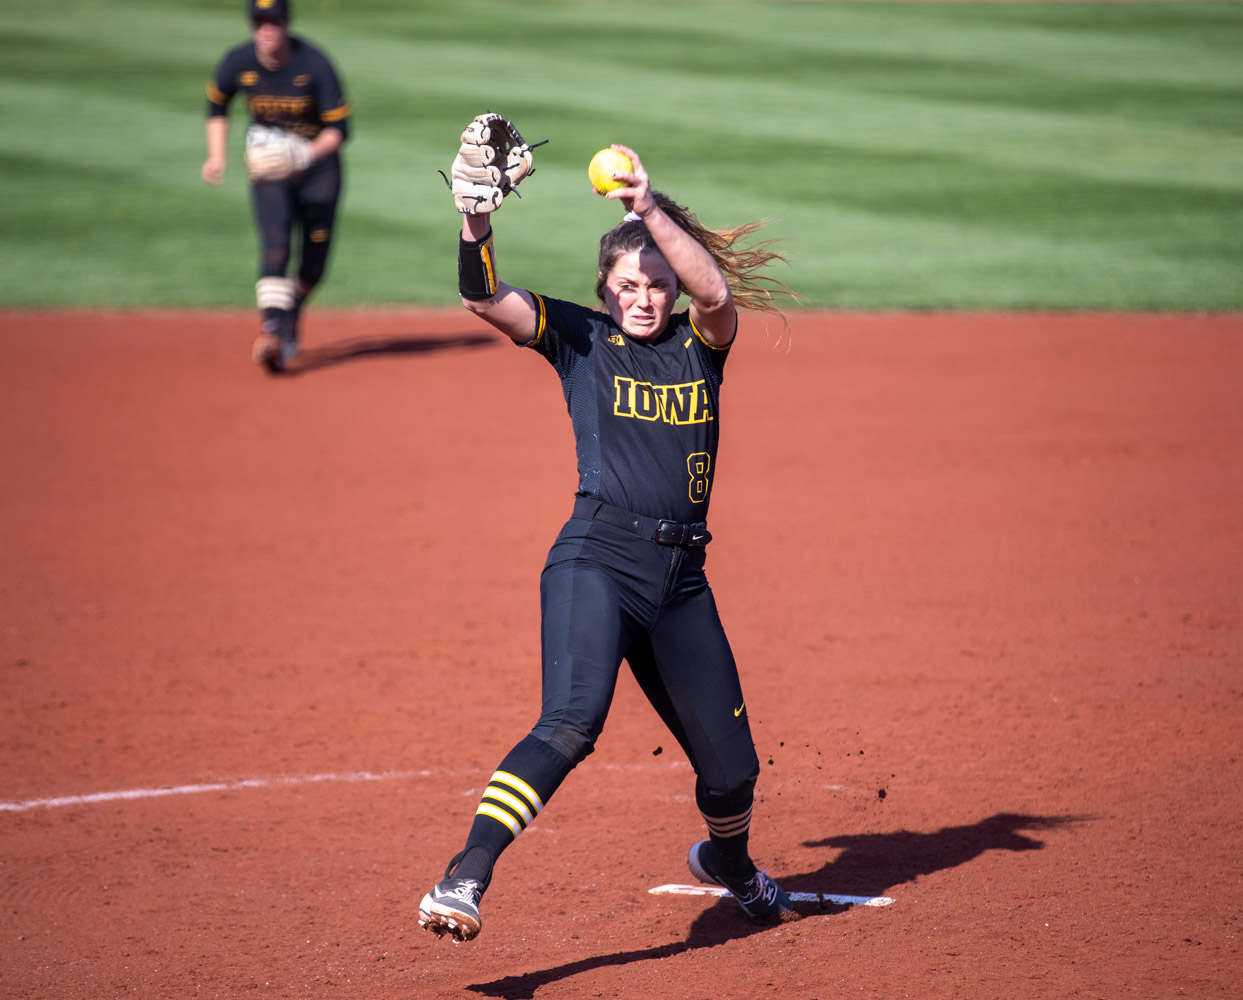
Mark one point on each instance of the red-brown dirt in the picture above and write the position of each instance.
(982, 575)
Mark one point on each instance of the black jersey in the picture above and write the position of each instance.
(302, 96)
(645, 412)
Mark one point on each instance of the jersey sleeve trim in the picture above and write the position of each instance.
(216, 95)
(541, 320)
(706, 342)
(336, 114)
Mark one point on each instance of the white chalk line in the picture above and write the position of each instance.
(797, 897)
(249, 783)
(121, 795)
(215, 786)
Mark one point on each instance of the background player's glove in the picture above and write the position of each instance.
(274, 154)
(492, 161)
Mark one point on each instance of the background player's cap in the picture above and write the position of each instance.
(269, 10)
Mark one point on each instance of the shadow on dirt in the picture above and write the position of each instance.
(870, 864)
(327, 355)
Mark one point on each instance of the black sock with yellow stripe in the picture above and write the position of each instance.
(728, 818)
(516, 793)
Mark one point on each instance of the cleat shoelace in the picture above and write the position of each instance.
(761, 888)
(468, 892)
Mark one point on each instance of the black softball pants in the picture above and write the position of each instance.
(607, 595)
(309, 202)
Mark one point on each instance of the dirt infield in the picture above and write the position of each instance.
(263, 640)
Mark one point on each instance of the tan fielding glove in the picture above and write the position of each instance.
(274, 154)
(492, 161)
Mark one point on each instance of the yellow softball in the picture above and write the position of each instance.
(602, 167)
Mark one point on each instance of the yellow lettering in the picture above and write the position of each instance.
(686, 403)
(271, 108)
(623, 401)
(647, 403)
(680, 403)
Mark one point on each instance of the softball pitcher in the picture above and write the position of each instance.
(624, 579)
(298, 123)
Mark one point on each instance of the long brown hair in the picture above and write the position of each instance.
(739, 259)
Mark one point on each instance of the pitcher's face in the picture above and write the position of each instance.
(640, 292)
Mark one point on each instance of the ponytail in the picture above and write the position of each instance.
(739, 259)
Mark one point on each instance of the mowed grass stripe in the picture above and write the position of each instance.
(909, 155)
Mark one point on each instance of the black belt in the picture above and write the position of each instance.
(656, 529)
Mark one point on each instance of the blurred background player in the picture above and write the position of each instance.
(298, 123)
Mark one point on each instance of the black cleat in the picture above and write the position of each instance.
(757, 894)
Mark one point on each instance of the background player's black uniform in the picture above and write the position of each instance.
(303, 95)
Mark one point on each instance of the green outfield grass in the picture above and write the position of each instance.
(925, 155)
